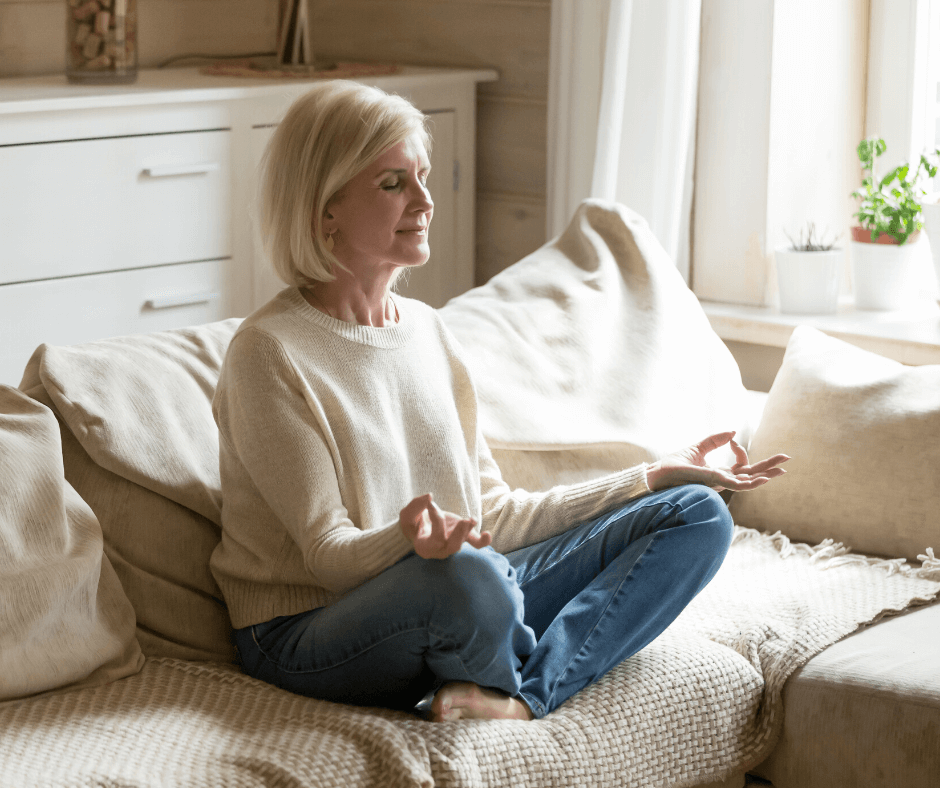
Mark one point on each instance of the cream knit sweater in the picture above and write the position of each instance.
(328, 429)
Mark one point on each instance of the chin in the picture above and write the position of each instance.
(417, 262)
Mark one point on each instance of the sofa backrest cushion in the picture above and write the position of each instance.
(145, 458)
(64, 618)
(140, 406)
(863, 432)
(591, 354)
(160, 551)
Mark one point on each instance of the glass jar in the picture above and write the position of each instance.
(101, 41)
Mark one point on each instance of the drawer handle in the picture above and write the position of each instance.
(181, 169)
(171, 301)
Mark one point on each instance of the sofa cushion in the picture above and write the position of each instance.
(591, 354)
(866, 711)
(160, 551)
(141, 406)
(142, 450)
(64, 618)
(863, 432)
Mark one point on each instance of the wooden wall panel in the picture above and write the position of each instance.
(508, 228)
(169, 28)
(511, 35)
(32, 38)
(32, 32)
(512, 134)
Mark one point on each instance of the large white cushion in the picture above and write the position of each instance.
(863, 432)
(64, 618)
(591, 354)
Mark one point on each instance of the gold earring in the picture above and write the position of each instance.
(329, 242)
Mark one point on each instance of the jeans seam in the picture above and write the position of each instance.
(359, 653)
(533, 703)
(600, 617)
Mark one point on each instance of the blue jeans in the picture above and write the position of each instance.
(539, 623)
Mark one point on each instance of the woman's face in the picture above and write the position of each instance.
(381, 217)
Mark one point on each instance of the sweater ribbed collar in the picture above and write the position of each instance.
(389, 337)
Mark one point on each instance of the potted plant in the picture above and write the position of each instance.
(808, 273)
(885, 257)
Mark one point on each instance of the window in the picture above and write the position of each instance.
(786, 92)
(932, 88)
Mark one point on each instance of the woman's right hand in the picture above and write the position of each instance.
(436, 533)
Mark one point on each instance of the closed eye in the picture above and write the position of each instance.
(392, 186)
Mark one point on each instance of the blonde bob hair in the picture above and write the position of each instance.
(328, 136)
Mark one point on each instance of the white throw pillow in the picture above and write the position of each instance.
(64, 618)
(863, 432)
(591, 354)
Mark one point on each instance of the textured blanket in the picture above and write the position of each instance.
(700, 703)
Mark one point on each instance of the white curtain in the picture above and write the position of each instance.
(623, 82)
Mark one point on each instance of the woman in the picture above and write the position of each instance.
(355, 476)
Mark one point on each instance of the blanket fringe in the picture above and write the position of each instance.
(829, 554)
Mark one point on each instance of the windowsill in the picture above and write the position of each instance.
(911, 336)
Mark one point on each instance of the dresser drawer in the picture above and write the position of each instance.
(85, 308)
(89, 206)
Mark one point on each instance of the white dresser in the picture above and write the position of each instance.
(127, 209)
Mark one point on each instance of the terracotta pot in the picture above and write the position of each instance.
(862, 235)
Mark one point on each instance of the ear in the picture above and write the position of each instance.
(328, 224)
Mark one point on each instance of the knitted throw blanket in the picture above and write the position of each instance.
(700, 703)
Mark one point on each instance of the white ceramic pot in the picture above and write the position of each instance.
(932, 230)
(885, 276)
(808, 282)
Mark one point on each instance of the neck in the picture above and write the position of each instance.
(347, 300)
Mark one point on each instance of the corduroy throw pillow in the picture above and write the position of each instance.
(64, 618)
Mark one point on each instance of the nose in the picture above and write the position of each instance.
(421, 201)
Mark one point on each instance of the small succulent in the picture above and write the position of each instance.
(808, 241)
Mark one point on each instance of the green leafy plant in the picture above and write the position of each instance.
(808, 241)
(892, 205)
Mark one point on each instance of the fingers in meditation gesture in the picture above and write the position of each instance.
(688, 466)
(436, 533)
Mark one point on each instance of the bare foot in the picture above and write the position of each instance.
(460, 700)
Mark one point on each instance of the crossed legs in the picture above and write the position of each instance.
(503, 634)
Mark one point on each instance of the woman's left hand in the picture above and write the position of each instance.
(688, 467)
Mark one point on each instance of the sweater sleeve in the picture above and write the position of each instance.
(518, 518)
(271, 424)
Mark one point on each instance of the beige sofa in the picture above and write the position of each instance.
(118, 665)
(865, 711)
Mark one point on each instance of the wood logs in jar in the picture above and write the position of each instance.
(101, 40)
